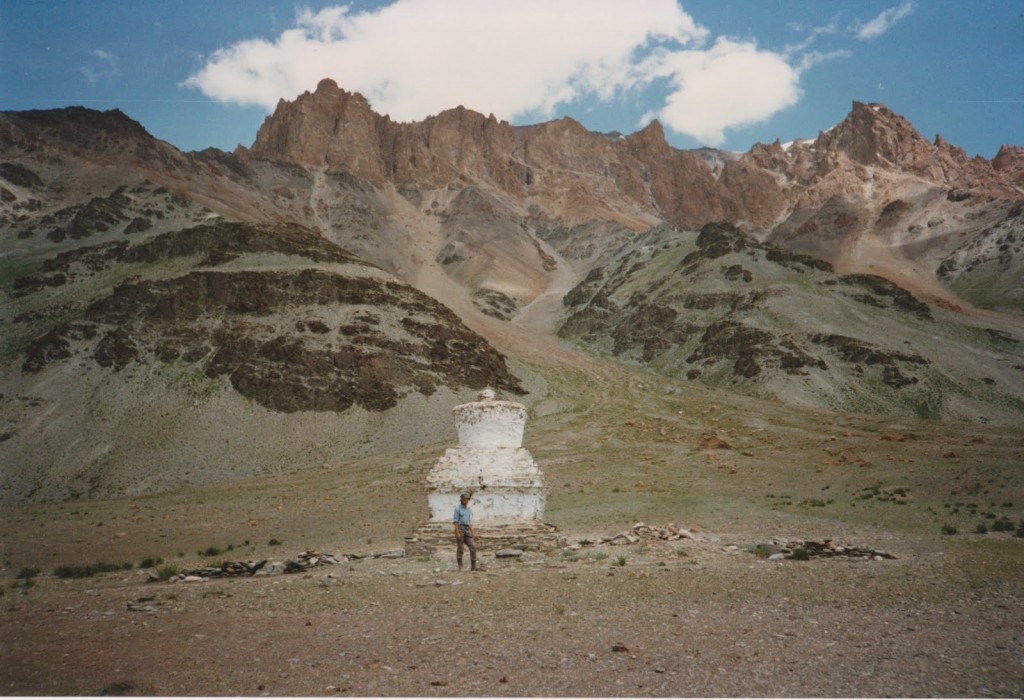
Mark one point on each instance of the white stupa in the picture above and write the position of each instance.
(490, 462)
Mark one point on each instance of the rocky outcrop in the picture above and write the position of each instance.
(874, 136)
(1010, 163)
(331, 128)
(291, 340)
(81, 132)
(75, 127)
(337, 130)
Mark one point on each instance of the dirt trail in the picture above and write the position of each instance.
(541, 314)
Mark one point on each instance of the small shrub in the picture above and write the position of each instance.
(90, 570)
(274, 542)
(599, 555)
(151, 562)
(167, 572)
(981, 529)
(948, 530)
(800, 554)
(761, 551)
(26, 576)
(28, 573)
(621, 561)
(1002, 525)
(209, 552)
(68, 571)
(682, 552)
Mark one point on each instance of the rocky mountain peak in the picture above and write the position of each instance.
(1010, 162)
(83, 118)
(74, 127)
(872, 134)
(649, 143)
(653, 133)
(329, 127)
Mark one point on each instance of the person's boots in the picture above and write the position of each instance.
(459, 561)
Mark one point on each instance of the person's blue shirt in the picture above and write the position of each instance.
(461, 516)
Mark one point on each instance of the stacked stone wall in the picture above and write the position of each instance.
(529, 537)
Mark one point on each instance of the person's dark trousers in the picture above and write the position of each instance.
(467, 542)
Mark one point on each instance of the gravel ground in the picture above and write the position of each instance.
(690, 618)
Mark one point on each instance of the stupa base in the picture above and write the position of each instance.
(490, 537)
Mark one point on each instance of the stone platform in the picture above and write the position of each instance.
(490, 537)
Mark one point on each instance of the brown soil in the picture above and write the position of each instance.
(679, 619)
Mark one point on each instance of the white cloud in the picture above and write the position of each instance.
(414, 58)
(885, 21)
(813, 58)
(103, 65)
(813, 34)
(732, 85)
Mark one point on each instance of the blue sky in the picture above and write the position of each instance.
(726, 73)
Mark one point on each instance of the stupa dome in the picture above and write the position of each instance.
(490, 423)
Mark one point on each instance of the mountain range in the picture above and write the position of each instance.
(333, 289)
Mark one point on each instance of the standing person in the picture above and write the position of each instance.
(464, 534)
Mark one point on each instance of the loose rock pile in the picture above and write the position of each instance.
(777, 548)
(640, 531)
(266, 567)
(823, 549)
